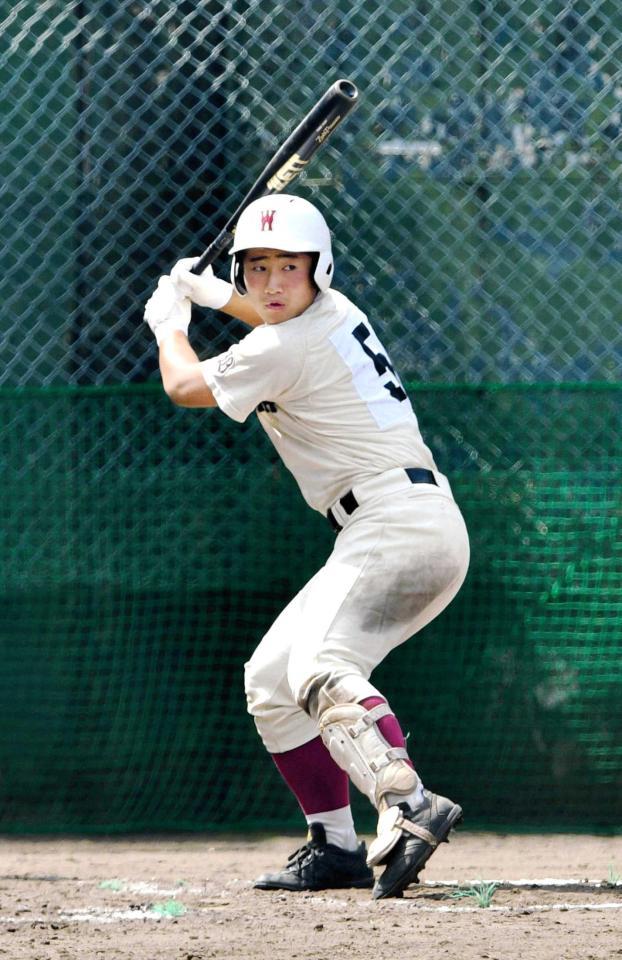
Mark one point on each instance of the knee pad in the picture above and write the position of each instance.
(352, 737)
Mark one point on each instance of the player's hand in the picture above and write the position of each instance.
(167, 310)
(206, 290)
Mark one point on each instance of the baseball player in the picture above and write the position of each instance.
(331, 402)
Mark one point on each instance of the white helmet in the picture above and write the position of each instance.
(283, 222)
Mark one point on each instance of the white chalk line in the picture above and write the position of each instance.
(109, 915)
(88, 915)
(151, 888)
(103, 915)
(542, 883)
(148, 889)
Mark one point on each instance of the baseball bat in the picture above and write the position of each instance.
(290, 159)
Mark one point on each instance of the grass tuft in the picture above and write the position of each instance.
(481, 892)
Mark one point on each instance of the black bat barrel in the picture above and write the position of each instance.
(290, 159)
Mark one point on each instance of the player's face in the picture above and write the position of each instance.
(278, 284)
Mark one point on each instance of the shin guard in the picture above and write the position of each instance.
(355, 743)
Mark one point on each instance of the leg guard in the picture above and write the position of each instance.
(357, 746)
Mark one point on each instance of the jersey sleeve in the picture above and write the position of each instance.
(265, 365)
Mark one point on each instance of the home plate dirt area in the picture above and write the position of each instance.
(484, 896)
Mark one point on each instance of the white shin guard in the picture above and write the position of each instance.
(351, 734)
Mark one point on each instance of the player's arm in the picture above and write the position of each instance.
(207, 290)
(239, 308)
(181, 373)
(168, 314)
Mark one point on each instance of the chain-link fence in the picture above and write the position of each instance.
(474, 197)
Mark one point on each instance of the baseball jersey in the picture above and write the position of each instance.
(326, 394)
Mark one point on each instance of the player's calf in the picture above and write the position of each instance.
(411, 821)
(379, 770)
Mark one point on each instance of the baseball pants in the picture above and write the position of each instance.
(399, 560)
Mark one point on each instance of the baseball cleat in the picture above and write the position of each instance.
(319, 865)
(420, 832)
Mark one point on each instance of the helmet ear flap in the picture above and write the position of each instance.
(323, 270)
(237, 273)
(315, 259)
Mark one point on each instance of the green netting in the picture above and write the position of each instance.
(474, 194)
(146, 549)
(475, 201)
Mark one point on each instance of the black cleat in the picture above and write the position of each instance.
(319, 865)
(422, 830)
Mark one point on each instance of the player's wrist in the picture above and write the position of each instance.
(167, 330)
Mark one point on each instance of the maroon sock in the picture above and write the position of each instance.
(313, 777)
(389, 726)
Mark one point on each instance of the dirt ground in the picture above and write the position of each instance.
(191, 898)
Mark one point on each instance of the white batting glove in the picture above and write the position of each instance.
(205, 290)
(167, 310)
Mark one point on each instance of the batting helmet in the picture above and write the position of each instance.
(283, 222)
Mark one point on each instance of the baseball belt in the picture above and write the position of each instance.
(349, 503)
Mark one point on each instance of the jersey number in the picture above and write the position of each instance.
(381, 363)
(376, 383)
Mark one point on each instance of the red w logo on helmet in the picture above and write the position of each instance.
(267, 216)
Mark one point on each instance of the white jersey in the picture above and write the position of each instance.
(326, 394)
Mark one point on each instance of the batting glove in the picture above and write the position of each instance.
(206, 290)
(167, 310)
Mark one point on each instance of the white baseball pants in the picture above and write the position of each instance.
(398, 562)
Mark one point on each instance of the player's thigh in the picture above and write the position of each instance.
(267, 666)
(410, 573)
(406, 560)
(303, 623)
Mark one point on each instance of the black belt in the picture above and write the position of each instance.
(349, 503)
